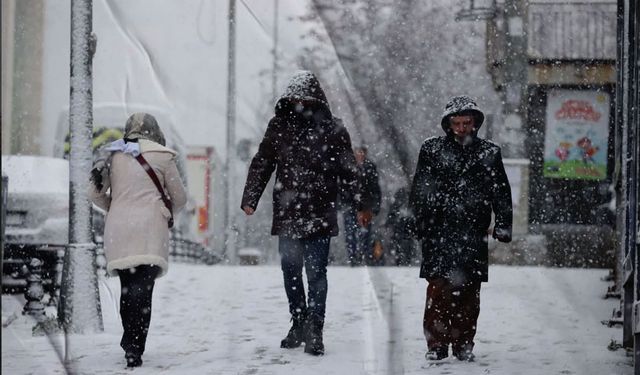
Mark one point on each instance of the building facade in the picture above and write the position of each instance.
(627, 169)
(554, 64)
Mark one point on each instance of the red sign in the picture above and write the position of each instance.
(578, 110)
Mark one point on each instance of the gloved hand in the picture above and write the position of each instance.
(502, 235)
(100, 169)
(96, 178)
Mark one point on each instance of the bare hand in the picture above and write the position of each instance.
(365, 217)
(248, 210)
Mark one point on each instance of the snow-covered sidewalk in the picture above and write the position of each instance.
(229, 320)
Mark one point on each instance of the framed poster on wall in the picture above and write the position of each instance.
(576, 134)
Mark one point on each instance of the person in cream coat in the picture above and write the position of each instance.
(136, 235)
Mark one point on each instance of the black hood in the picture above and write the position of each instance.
(303, 86)
(461, 105)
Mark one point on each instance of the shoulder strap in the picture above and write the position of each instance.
(154, 177)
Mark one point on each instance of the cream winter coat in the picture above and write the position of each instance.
(136, 230)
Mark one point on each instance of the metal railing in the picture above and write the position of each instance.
(181, 250)
(41, 280)
(3, 214)
(187, 251)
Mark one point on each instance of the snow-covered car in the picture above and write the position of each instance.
(37, 213)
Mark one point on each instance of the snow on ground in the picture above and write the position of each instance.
(229, 320)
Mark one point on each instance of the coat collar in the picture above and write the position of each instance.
(150, 146)
(470, 154)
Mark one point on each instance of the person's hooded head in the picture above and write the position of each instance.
(462, 118)
(143, 126)
(303, 98)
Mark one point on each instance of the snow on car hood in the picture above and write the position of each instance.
(36, 174)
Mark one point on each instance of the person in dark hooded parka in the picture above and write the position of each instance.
(312, 156)
(459, 180)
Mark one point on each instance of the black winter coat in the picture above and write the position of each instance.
(312, 157)
(400, 219)
(454, 190)
(370, 185)
(369, 188)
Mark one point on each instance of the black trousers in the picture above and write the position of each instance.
(135, 306)
(314, 255)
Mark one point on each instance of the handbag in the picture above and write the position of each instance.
(156, 181)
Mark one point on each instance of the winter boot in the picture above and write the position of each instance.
(464, 354)
(133, 360)
(296, 334)
(313, 341)
(437, 353)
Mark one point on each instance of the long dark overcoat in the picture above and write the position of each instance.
(454, 190)
(312, 156)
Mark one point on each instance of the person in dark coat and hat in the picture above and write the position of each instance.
(459, 181)
(311, 154)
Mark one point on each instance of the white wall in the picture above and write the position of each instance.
(173, 54)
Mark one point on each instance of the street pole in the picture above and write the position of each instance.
(231, 119)
(79, 310)
(515, 76)
(274, 78)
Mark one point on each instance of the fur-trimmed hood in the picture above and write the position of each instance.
(151, 146)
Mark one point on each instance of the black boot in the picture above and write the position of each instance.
(313, 341)
(438, 353)
(133, 360)
(295, 337)
(465, 353)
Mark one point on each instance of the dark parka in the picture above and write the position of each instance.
(369, 182)
(454, 190)
(312, 155)
(369, 187)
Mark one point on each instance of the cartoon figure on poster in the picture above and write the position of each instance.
(587, 149)
(563, 151)
(576, 134)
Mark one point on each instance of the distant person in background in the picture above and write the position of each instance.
(139, 213)
(459, 181)
(311, 153)
(358, 239)
(400, 221)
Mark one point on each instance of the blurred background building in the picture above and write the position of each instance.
(553, 65)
